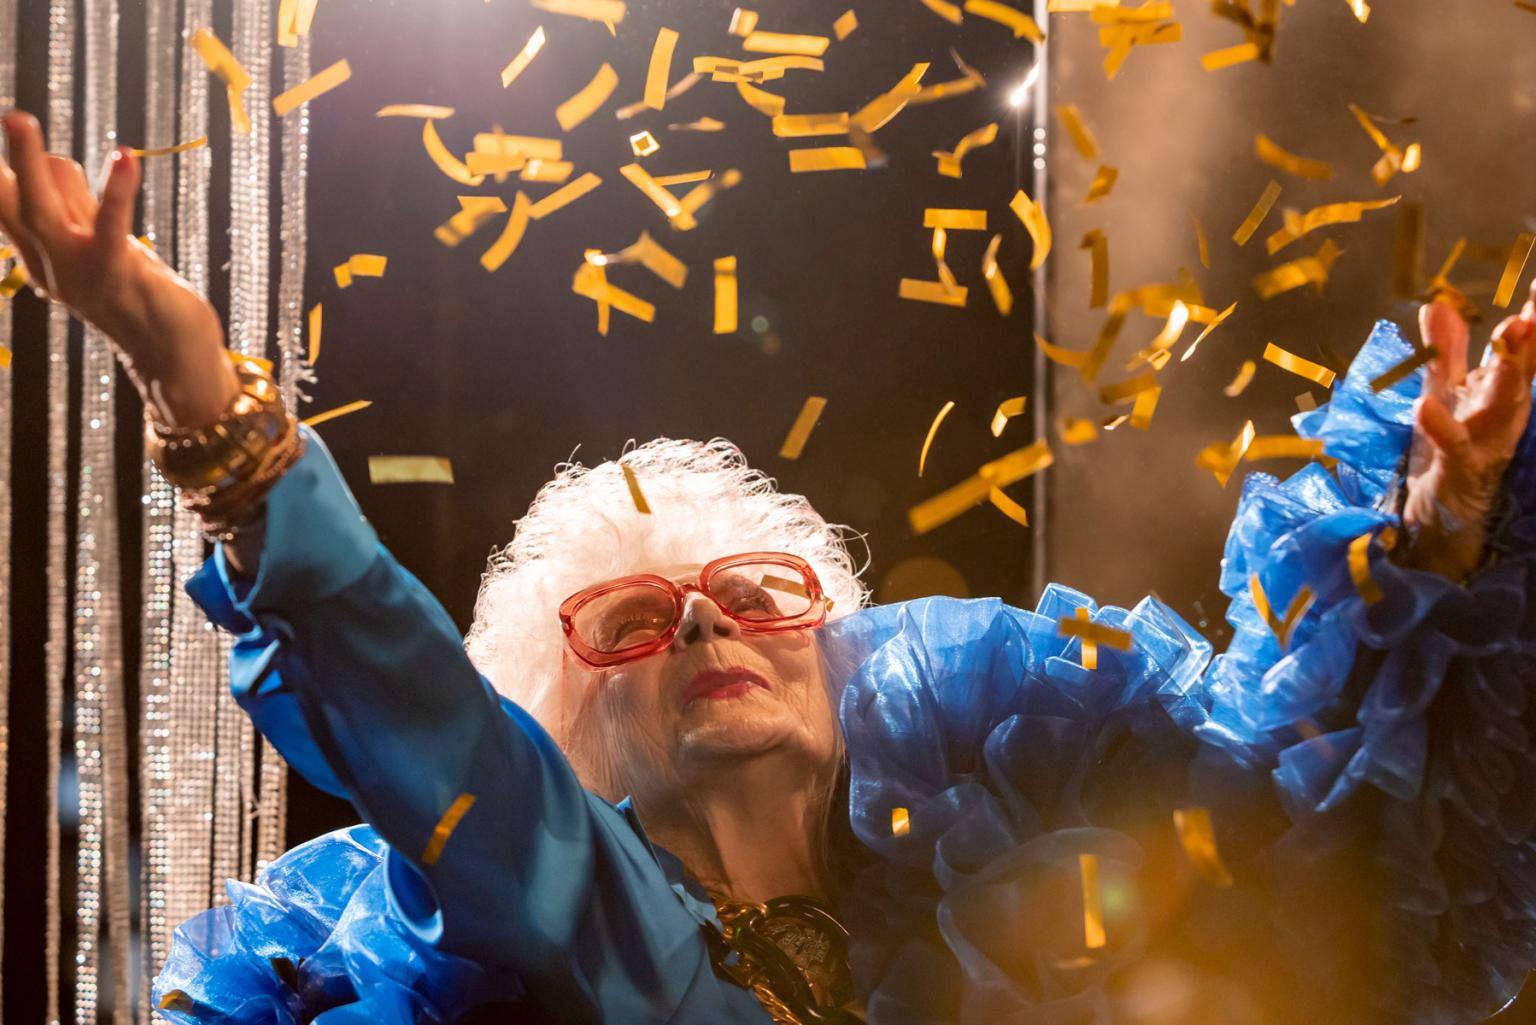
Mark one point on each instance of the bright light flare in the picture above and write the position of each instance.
(1020, 94)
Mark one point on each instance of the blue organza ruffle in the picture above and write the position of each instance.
(317, 940)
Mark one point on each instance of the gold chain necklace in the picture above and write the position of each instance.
(791, 953)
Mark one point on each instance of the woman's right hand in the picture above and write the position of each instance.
(81, 253)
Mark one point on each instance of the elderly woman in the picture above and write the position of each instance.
(683, 775)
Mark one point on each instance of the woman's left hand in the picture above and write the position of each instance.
(1466, 428)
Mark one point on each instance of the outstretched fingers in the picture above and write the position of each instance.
(114, 218)
(41, 211)
(1437, 423)
(1442, 328)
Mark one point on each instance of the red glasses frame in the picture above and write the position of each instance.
(815, 615)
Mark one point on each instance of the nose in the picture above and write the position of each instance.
(702, 620)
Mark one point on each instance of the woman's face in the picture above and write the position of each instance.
(716, 694)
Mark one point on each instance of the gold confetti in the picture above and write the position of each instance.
(1122, 390)
(1072, 121)
(1061, 356)
(1006, 410)
(970, 79)
(1102, 183)
(14, 281)
(1256, 216)
(901, 822)
(1403, 369)
(1314, 372)
(827, 158)
(877, 113)
(548, 171)
(1271, 153)
(949, 162)
(1408, 251)
(845, 25)
(1307, 270)
(5, 358)
(794, 442)
(525, 57)
(1294, 613)
(635, 494)
(1241, 381)
(409, 470)
(343, 275)
(1360, 564)
(609, 12)
(176, 1000)
(948, 11)
(954, 220)
(1090, 650)
(695, 198)
(660, 68)
(1197, 835)
(1021, 24)
(743, 22)
(316, 317)
(686, 178)
(1077, 430)
(1283, 446)
(641, 179)
(971, 492)
(781, 42)
(450, 820)
(1146, 405)
(511, 235)
(725, 295)
(1008, 507)
(1393, 157)
(1218, 59)
(180, 147)
(590, 281)
(1098, 246)
(1322, 216)
(1200, 240)
(1083, 628)
(217, 58)
(422, 110)
(794, 126)
(939, 292)
(933, 430)
(1221, 458)
(585, 103)
(362, 265)
(317, 85)
(1360, 9)
(1002, 295)
(643, 144)
(1034, 220)
(651, 255)
(331, 414)
(474, 212)
(1113, 13)
(761, 100)
(1513, 268)
(1093, 902)
(564, 196)
(446, 162)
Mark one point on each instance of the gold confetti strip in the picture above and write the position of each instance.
(794, 126)
(331, 414)
(660, 67)
(609, 12)
(845, 25)
(422, 110)
(901, 822)
(5, 358)
(794, 442)
(586, 102)
(180, 147)
(1113, 13)
(317, 85)
(971, 492)
(1108, 332)
(1256, 216)
(1178, 318)
(1221, 458)
(14, 281)
(1141, 35)
(827, 158)
(1513, 268)
(511, 235)
(1282, 627)
(1019, 23)
(1314, 372)
(725, 295)
(1090, 650)
(524, 57)
(217, 58)
(939, 292)
(450, 820)
(549, 171)
(474, 212)
(499, 144)
(316, 318)
(343, 275)
(1093, 902)
(743, 22)
(1403, 369)
(933, 430)
(1408, 251)
(1322, 216)
(1360, 564)
(1307, 270)
(948, 11)
(949, 162)
(1077, 430)
(1272, 154)
(1002, 295)
(1241, 381)
(1393, 157)
(1239, 54)
(1007, 410)
(1200, 240)
(1072, 121)
(641, 179)
(1122, 390)
(1084, 628)
(782, 42)
(643, 144)
(1008, 507)
(1362, 10)
(1283, 446)
(651, 255)
(591, 282)
(478, 163)
(970, 79)
(409, 470)
(446, 162)
(1098, 246)
(564, 196)
(635, 494)
(176, 1000)
(695, 198)
(764, 69)
(686, 178)
(954, 220)
(760, 100)
(877, 113)
(1197, 835)
(1102, 183)
(1034, 220)
(1061, 356)
(1146, 405)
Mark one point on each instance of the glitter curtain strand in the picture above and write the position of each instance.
(159, 508)
(9, 26)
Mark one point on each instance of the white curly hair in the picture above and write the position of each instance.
(583, 528)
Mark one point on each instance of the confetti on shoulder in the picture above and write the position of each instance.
(410, 470)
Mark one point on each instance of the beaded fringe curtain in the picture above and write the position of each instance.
(211, 802)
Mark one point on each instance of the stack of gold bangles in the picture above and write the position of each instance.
(224, 470)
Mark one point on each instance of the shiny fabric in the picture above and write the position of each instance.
(1372, 786)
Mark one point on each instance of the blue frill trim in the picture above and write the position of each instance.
(316, 940)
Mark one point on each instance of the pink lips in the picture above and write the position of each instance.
(722, 683)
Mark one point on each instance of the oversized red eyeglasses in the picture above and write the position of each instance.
(632, 617)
